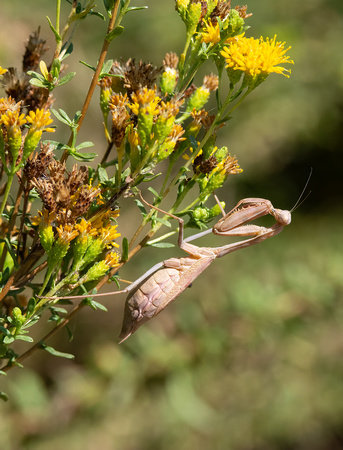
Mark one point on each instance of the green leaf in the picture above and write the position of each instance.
(21, 337)
(96, 305)
(36, 75)
(4, 331)
(135, 8)
(38, 83)
(56, 145)
(67, 52)
(125, 250)
(83, 156)
(88, 65)
(30, 323)
(30, 306)
(107, 66)
(103, 177)
(163, 221)
(148, 177)
(62, 116)
(3, 396)
(114, 33)
(66, 78)
(8, 340)
(11, 252)
(156, 194)
(85, 144)
(54, 352)
(57, 309)
(160, 245)
(193, 141)
(141, 207)
(53, 29)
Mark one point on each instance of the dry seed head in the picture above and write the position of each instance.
(242, 11)
(139, 75)
(35, 49)
(171, 60)
(222, 10)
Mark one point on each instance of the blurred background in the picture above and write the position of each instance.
(249, 358)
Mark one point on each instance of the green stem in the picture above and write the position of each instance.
(58, 15)
(6, 193)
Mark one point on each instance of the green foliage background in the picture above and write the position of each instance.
(251, 356)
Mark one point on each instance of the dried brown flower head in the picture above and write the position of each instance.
(138, 75)
(34, 50)
(171, 60)
(17, 84)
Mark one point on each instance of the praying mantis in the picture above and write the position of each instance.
(165, 281)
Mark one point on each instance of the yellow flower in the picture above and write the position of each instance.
(210, 33)
(85, 229)
(112, 259)
(257, 57)
(44, 218)
(66, 233)
(39, 120)
(12, 119)
(132, 137)
(2, 71)
(108, 235)
(145, 101)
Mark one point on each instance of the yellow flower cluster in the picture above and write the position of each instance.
(256, 56)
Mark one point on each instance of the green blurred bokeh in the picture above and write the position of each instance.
(249, 358)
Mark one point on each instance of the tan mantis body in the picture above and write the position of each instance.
(160, 286)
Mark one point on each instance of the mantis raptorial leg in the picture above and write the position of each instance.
(165, 281)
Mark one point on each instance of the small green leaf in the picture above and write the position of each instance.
(67, 52)
(148, 177)
(83, 156)
(88, 65)
(66, 78)
(161, 245)
(11, 252)
(3, 396)
(114, 33)
(193, 141)
(56, 145)
(135, 8)
(62, 116)
(8, 340)
(38, 83)
(156, 194)
(4, 331)
(21, 337)
(125, 250)
(54, 352)
(163, 221)
(85, 144)
(103, 177)
(53, 29)
(30, 323)
(30, 306)
(96, 305)
(107, 66)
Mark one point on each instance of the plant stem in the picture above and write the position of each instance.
(6, 193)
